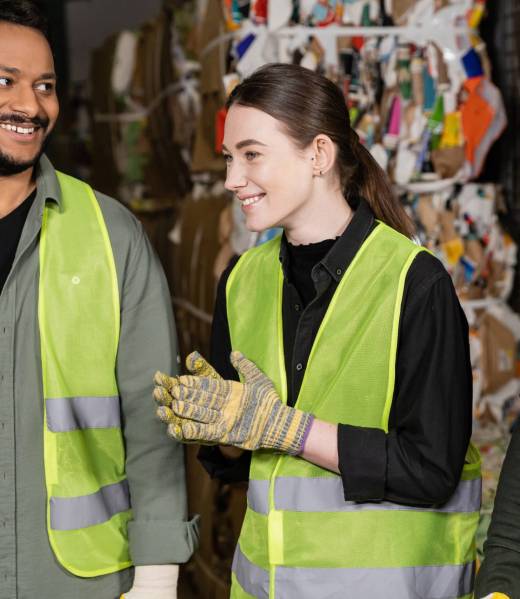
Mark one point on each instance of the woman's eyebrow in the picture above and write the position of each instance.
(248, 142)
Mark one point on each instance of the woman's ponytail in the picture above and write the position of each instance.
(372, 183)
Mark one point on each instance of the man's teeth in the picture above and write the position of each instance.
(253, 200)
(15, 129)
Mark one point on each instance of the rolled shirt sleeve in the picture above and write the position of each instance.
(419, 461)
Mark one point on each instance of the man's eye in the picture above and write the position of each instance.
(4, 81)
(45, 87)
(251, 155)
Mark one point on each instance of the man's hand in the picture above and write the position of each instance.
(154, 582)
(249, 415)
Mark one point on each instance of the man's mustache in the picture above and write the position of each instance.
(18, 119)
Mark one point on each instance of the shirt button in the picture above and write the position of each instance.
(297, 307)
(339, 271)
(299, 366)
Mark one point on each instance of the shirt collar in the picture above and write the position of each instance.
(47, 185)
(338, 259)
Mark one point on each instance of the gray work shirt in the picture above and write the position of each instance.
(159, 532)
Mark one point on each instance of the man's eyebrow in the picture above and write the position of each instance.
(10, 70)
(15, 71)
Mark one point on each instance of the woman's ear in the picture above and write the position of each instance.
(323, 155)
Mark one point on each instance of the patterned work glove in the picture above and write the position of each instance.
(249, 415)
(198, 366)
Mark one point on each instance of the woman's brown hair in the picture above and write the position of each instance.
(308, 104)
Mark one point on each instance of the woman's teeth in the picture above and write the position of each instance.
(253, 200)
(15, 129)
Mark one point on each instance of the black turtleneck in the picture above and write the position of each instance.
(302, 259)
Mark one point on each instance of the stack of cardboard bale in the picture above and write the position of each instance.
(144, 112)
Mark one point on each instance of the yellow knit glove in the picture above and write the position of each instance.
(198, 366)
(249, 415)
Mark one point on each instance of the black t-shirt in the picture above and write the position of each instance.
(11, 227)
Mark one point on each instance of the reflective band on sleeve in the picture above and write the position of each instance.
(326, 495)
(252, 579)
(426, 582)
(71, 513)
(66, 414)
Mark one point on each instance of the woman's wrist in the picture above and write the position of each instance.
(321, 445)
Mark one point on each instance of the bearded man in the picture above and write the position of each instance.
(87, 487)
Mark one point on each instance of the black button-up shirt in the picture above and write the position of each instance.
(420, 460)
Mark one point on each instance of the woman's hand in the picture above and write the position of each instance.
(249, 415)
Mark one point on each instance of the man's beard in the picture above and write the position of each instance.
(9, 166)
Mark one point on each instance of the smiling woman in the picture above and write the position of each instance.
(345, 367)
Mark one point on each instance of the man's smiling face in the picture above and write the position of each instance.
(28, 101)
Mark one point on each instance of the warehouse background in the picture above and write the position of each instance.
(147, 130)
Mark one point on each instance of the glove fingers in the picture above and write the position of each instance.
(165, 381)
(194, 411)
(199, 366)
(166, 415)
(199, 395)
(201, 433)
(162, 397)
(248, 369)
(203, 383)
(175, 431)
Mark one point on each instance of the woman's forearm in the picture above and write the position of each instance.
(321, 445)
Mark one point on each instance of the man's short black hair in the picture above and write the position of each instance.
(27, 13)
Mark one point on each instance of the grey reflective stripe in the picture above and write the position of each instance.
(253, 579)
(71, 513)
(419, 582)
(71, 413)
(424, 582)
(326, 495)
(258, 496)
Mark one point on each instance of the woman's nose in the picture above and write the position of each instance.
(235, 178)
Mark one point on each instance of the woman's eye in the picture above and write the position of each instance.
(4, 81)
(227, 158)
(251, 155)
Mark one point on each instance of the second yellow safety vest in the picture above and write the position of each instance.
(300, 538)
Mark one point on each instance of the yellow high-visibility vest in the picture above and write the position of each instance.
(88, 503)
(300, 538)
